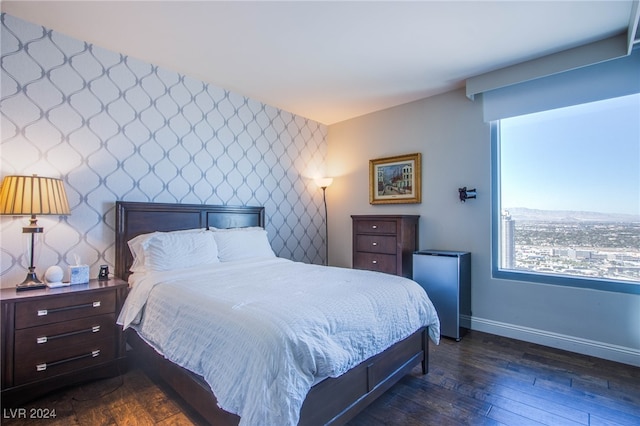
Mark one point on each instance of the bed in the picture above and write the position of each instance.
(330, 399)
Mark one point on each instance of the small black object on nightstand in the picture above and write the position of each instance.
(104, 273)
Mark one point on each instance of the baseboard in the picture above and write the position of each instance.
(594, 348)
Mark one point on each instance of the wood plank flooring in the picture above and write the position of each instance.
(481, 380)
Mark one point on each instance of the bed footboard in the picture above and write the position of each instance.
(337, 400)
(333, 401)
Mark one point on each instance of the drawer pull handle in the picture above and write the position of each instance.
(44, 365)
(45, 339)
(374, 243)
(43, 312)
(374, 262)
(374, 226)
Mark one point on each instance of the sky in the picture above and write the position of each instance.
(581, 158)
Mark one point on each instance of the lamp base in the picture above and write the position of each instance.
(30, 283)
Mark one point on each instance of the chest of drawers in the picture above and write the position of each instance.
(56, 337)
(385, 243)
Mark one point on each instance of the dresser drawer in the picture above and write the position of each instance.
(44, 364)
(376, 243)
(375, 226)
(385, 243)
(64, 334)
(63, 308)
(375, 262)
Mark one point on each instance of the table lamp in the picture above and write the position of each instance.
(32, 195)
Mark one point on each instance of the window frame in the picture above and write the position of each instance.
(619, 286)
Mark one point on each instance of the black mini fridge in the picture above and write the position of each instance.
(446, 277)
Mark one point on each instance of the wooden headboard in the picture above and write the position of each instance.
(135, 218)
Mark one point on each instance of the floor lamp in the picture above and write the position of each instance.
(31, 196)
(324, 183)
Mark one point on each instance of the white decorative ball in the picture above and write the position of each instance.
(53, 274)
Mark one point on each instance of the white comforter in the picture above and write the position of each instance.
(262, 333)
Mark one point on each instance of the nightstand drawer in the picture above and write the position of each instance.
(64, 334)
(375, 226)
(375, 262)
(376, 243)
(63, 308)
(44, 364)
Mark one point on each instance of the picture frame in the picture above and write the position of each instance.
(396, 180)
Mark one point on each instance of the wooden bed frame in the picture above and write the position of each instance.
(332, 401)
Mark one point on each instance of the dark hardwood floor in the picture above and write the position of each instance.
(481, 380)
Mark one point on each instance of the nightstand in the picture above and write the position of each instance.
(56, 337)
(385, 243)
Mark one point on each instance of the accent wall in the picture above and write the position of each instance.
(116, 128)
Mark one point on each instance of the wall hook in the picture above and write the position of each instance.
(465, 193)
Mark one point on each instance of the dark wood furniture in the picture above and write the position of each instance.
(332, 401)
(52, 338)
(385, 243)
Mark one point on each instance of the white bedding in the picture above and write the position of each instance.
(263, 332)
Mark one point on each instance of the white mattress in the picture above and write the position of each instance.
(262, 333)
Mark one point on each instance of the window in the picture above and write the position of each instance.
(567, 195)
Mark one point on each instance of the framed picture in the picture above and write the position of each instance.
(395, 180)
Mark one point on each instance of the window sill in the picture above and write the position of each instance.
(628, 287)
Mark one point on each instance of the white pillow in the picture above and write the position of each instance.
(242, 243)
(139, 246)
(169, 251)
(137, 251)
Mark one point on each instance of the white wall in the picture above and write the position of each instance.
(455, 144)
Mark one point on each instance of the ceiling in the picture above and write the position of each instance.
(333, 60)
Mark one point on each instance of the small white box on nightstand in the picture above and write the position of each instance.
(79, 274)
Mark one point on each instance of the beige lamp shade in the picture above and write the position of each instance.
(33, 195)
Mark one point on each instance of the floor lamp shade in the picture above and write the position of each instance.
(32, 196)
(324, 182)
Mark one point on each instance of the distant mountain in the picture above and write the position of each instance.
(534, 215)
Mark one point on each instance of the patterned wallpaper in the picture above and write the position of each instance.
(116, 128)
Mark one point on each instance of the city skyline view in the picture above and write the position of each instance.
(593, 248)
